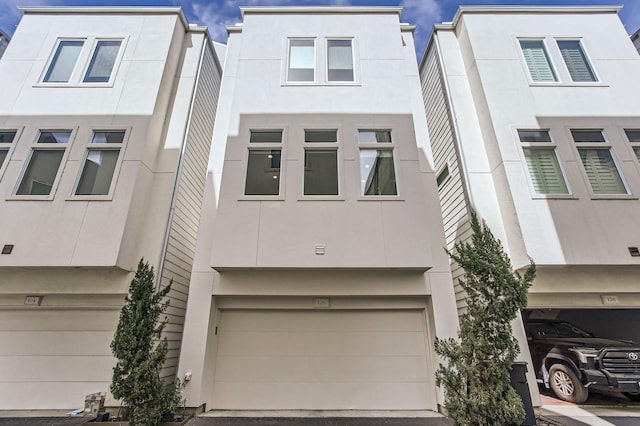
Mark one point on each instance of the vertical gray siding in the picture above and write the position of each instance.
(453, 200)
(183, 228)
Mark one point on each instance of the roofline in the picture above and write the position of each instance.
(133, 10)
(321, 9)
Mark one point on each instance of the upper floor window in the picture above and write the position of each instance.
(41, 171)
(6, 139)
(634, 138)
(81, 61)
(537, 59)
(576, 61)
(263, 163)
(377, 170)
(598, 162)
(100, 163)
(64, 61)
(302, 60)
(320, 162)
(340, 60)
(542, 162)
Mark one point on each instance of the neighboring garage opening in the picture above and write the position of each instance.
(323, 360)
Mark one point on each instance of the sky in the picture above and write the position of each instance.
(216, 14)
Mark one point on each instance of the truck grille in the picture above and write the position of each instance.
(620, 362)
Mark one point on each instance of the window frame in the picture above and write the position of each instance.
(35, 146)
(552, 66)
(355, 79)
(384, 146)
(263, 146)
(83, 62)
(322, 146)
(605, 144)
(8, 147)
(547, 146)
(90, 147)
(443, 176)
(634, 144)
(315, 61)
(587, 60)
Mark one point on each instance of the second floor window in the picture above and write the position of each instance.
(634, 138)
(542, 162)
(100, 163)
(41, 172)
(263, 163)
(377, 169)
(320, 162)
(6, 139)
(599, 164)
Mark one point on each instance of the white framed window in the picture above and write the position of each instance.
(544, 168)
(83, 61)
(598, 162)
(576, 61)
(538, 61)
(321, 162)
(263, 163)
(301, 60)
(340, 64)
(100, 163)
(7, 138)
(41, 171)
(377, 168)
(633, 135)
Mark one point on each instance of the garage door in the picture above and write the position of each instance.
(322, 360)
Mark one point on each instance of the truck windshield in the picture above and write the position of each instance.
(557, 329)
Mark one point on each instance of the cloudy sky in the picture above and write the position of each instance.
(218, 13)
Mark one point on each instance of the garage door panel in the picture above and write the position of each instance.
(325, 343)
(321, 396)
(321, 369)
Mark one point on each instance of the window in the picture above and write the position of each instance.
(576, 61)
(302, 60)
(634, 137)
(542, 162)
(598, 162)
(263, 163)
(443, 176)
(320, 162)
(340, 60)
(537, 59)
(377, 171)
(100, 163)
(6, 139)
(41, 171)
(64, 61)
(102, 62)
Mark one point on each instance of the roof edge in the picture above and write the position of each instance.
(320, 9)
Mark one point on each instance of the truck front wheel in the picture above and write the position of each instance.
(566, 384)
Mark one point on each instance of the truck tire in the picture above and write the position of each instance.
(566, 384)
(632, 396)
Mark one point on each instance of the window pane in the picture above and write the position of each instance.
(102, 61)
(263, 172)
(442, 176)
(108, 137)
(545, 171)
(534, 136)
(340, 60)
(41, 172)
(97, 172)
(535, 55)
(302, 60)
(320, 136)
(636, 149)
(587, 136)
(54, 137)
(3, 155)
(321, 172)
(576, 60)
(266, 136)
(602, 171)
(633, 135)
(377, 172)
(7, 137)
(374, 136)
(64, 60)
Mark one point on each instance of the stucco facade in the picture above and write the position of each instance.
(307, 295)
(524, 99)
(102, 116)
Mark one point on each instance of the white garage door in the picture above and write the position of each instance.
(322, 360)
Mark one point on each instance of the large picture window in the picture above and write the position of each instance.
(42, 168)
(321, 162)
(377, 169)
(100, 163)
(263, 163)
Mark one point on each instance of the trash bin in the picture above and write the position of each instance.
(518, 375)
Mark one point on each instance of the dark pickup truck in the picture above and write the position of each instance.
(571, 361)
